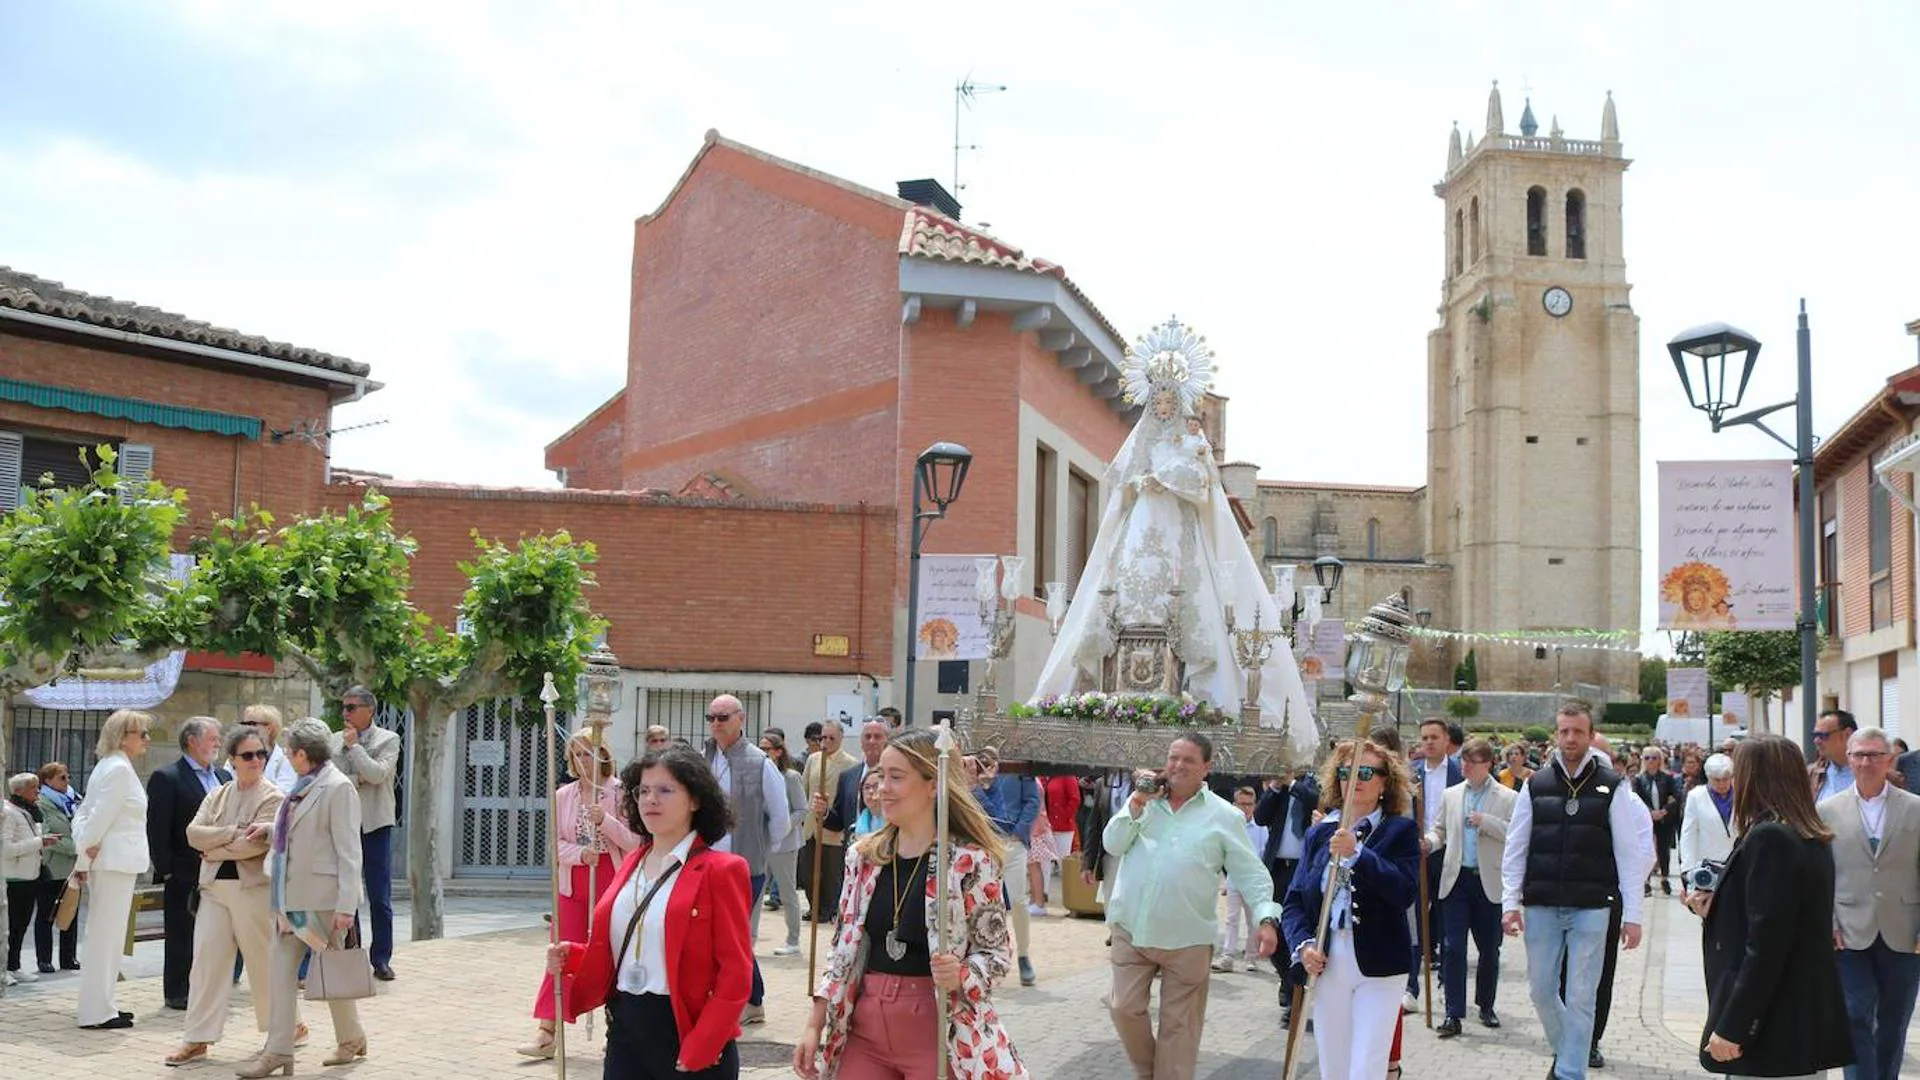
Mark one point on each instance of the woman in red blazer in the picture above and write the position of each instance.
(668, 952)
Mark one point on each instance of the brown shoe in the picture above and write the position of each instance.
(192, 1051)
(346, 1052)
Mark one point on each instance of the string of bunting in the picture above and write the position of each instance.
(1620, 641)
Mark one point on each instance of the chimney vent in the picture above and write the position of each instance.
(930, 194)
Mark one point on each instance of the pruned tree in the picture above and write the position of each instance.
(1764, 662)
(330, 593)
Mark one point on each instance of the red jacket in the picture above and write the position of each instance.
(1063, 803)
(709, 954)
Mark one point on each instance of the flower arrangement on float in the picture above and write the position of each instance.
(1141, 710)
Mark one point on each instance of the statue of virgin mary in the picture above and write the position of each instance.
(1171, 550)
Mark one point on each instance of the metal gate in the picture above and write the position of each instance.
(684, 712)
(64, 735)
(502, 774)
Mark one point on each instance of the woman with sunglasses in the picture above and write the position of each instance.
(593, 842)
(232, 831)
(1360, 964)
(111, 834)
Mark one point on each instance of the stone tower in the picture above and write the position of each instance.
(1533, 400)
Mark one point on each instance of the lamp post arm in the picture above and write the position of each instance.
(1756, 418)
(920, 521)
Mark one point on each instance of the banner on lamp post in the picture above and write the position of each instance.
(1736, 710)
(1687, 696)
(1726, 545)
(1327, 652)
(950, 626)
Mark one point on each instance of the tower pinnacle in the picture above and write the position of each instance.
(1454, 154)
(1609, 122)
(1496, 119)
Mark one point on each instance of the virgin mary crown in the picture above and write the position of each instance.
(1168, 357)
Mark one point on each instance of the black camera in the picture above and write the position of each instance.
(1149, 784)
(1705, 877)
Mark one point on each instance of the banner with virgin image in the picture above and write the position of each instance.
(949, 617)
(1726, 545)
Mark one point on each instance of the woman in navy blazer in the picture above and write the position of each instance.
(1361, 964)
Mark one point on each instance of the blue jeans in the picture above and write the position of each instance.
(1580, 934)
(1467, 910)
(1879, 986)
(757, 883)
(376, 863)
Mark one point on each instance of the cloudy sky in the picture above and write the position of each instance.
(446, 190)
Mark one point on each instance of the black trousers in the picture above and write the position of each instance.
(644, 1044)
(178, 901)
(43, 928)
(1603, 996)
(1281, 870)
(21, 898)
(1436, 920)
(833, 867)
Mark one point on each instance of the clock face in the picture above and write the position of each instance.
(1557, 301)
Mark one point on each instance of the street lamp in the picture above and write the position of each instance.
(1719, 353)
(938, 473)
(1327, 570)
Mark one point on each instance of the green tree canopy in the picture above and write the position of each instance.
(1762, 661)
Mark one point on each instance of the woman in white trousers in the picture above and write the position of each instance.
(110, 834)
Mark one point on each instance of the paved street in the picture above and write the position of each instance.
(460, 1006)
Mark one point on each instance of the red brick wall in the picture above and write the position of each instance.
(285, 477)
(1058, 394)
(764, 341)
(591, 451)
(715, 586)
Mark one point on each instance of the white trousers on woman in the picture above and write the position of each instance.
(109, 904)
(1353, 1015)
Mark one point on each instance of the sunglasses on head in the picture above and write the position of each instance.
(253, 755)
(1367, 772)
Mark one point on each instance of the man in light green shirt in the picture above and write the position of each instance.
(1163, 915)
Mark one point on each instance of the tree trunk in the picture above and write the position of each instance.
(429, 749)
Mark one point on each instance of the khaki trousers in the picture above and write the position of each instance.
(1173, 1054)
(285, 995)
(232, 917)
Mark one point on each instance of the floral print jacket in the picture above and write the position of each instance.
(977, 1045)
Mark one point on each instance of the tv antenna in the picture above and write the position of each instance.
(314, 431)
(964, 92)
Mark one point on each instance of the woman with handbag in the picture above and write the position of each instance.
(110, 833)
(23, 839)
(1361, 964)
(1774, 1006)
(231, 831)
(875, 1009)
(314, 871)
(668, 954)
(58, 802)
(593, 842)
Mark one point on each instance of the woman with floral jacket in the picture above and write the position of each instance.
(875, 1005)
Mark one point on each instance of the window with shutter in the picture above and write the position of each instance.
(135, 468)
(12, 456)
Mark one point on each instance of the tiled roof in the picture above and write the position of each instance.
(25, 292)
(929, 234)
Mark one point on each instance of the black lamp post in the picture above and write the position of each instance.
(1721, 357)
(938, 474)
(1327, 570)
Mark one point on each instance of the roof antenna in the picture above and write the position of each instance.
(964, 92)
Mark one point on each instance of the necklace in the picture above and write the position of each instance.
(1573, 793)
(897, 949)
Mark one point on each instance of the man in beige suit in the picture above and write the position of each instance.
(368, 756)
(1471, 830)
(822, 780)
(1876, 904)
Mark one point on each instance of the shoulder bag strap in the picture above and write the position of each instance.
(640, 912)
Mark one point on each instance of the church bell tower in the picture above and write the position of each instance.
(1533, 376)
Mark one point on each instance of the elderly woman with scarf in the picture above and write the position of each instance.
(58, 803)
(314, 868)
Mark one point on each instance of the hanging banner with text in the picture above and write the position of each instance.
(1687, 693)
(950, 627)
(1327, 652)
(1736, 709)
(1726, 545)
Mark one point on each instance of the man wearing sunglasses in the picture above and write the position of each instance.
(368, 756)
(1830, 774)
(758, 795)
(1577, 839)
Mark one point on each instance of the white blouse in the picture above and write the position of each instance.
(649, 974)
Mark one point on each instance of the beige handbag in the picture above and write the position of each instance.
(340, 974)
(68, 906)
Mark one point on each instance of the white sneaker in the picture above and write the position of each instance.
(787, 950)
(7, 979)
(1252, 966)
(1409, 1003)
(23, 976)
(1222, 963)
(1037, 909)
(753, 1014)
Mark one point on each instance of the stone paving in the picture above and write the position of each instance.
(461, 1005)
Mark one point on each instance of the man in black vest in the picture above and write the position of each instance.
(1578, 838)
(173, 797)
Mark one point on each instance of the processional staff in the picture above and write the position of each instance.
(548, 695)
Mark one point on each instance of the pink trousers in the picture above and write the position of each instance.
(893, 1035)
(574, 913)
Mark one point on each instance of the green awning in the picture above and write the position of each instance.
(123, 408)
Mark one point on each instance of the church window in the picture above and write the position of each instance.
(1459, 226)
(1576, 224)
(1373, 538)
(1536, 221)
(1474, 257)
(1270, 538)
